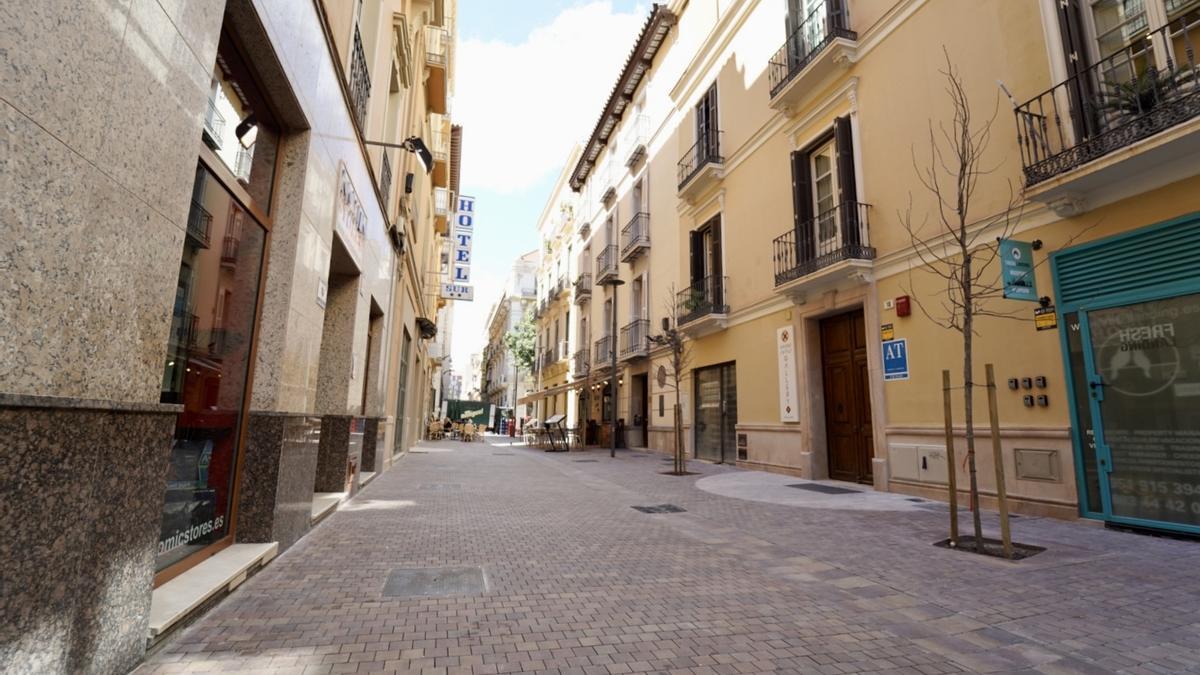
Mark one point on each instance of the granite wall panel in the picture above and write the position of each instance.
(278, 475)
(333, 453)
(81, 524)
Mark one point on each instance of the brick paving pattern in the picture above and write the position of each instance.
(580, 582)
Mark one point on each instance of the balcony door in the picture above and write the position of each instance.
(705, 262)
(707, 125)
(825, 195)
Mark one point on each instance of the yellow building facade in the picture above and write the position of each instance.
(751, 177)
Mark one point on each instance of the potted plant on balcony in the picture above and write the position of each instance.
(694, 300)
(1140, 94)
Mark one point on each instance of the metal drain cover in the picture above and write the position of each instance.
(440, 487)
(429, 582)
(661, 508)
(824, 489)
(501, 454)
(585, 460)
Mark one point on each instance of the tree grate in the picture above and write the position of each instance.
(661, 508)
(824, 489)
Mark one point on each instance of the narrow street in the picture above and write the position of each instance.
(578, 581)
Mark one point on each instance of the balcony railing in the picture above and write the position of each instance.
(583, 286)
(603, 352)
(635, 339)
(439, 137)
(242, 163)
(229, 249)
(636, 136)
(707, 150)
(635, 236)
(705, 296)
(580, 361)
(820, 27)
(441, 202)
(360, 80)
(606, 264)
(385, 180)
(214, 123)
(199, 224)
(437, 45)
(835, 235)
(1149, 86)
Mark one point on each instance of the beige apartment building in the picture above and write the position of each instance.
(222, 277)
(749, 178)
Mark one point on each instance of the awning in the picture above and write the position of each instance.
(552, 391)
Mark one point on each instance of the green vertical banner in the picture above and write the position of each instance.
(1016, 258)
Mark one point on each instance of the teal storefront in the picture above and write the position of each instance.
(1129, 311)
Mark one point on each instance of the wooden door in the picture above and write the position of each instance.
(847, 397)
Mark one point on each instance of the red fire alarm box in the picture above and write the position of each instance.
(903, 308)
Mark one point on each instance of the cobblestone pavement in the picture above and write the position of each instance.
(580, 582)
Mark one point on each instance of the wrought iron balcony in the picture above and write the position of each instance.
(603, 352)
(214, 124)
(583, 287)
(705, 154)
(437, 60)
(606, 264)
(827, 22)
(229, 249)
(199, 224)
(635, 138)
(1149, 86)
(833, 236)
(580, 362)
(360, 80)
(635, 341)
(635, 237)
(703, 298)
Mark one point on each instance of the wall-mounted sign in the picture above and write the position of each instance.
(322, 293)
(458, 292)
(1016, 258)
(350, 218)
(895, 360)
(785, 342)
(887, 332)
(463, 235)
(1045, 318)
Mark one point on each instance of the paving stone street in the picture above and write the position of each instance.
(744, 580)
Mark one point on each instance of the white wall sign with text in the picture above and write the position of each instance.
(463, 235)
(458, 292)
(785, 342)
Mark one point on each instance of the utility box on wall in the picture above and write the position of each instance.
(919, 463)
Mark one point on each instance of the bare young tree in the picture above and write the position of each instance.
(962, 251)
(680, 356)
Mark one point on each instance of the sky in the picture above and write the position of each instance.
(531, 79)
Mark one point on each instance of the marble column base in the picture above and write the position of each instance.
(373, 443)
(341, 445)
(81, 500)
(279, 469)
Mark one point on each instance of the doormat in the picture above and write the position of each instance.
(991, 547)
(431, 582)
(824, 489)
(661, 508)
(585, 460)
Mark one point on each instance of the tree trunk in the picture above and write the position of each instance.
(969, 397)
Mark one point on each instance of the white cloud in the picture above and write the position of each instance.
(522, 106)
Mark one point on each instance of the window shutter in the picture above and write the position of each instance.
(716, 287)
(696, 250)
(1079, 88)
(847, 189)
(837, 15)
(802, 206)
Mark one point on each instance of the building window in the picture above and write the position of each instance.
(828, 215)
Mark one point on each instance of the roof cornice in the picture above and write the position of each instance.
(637, 64)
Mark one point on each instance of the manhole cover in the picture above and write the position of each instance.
(916, 499)
(440, 487)
(426, 582)
(661, 508)
(824, 489)
(501, 454)
(585, 460)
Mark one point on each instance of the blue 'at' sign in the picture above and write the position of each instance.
(895, 360)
